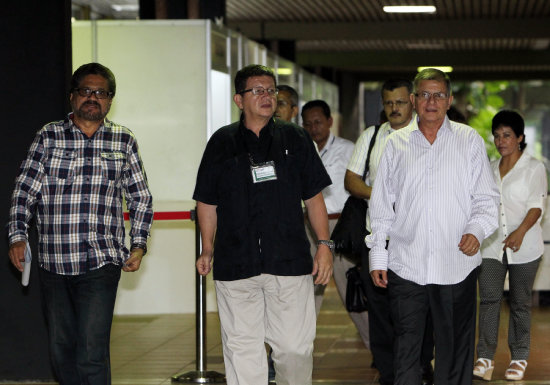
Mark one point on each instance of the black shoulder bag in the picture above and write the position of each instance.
(351, 229)
(349, 236)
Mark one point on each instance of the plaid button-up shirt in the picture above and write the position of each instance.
(75, 186)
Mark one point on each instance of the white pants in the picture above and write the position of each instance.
(267, 308)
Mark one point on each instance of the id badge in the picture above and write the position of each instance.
(263, 172)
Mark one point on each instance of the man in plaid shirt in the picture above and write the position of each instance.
(73, 179)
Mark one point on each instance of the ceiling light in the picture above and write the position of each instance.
(284, 71)
(125, 7)
(540, 44)
(425, 45)
(409, 9)
(441, 68)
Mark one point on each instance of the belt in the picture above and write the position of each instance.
(334, 216)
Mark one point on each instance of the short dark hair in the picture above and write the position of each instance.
(250, 71)
(317, 103)
(93, 69)
(512, 119)
(433, 74)
(293, 94)
(392, 84)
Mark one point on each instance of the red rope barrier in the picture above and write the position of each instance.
(166, 216)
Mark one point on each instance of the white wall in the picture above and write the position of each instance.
(161, 70)
(169, 96)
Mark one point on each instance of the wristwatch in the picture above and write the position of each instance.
(139, 246)
(329, 243)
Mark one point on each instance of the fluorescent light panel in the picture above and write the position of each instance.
(409, 9)
(125, 7)
(441, 68)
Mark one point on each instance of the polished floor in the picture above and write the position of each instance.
(151, 349)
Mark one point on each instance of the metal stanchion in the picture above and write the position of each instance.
(200, 375)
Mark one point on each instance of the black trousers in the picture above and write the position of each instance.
(453, 310)
(381, 330)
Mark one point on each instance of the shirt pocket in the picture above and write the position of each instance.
(112, 164)
(61, 163)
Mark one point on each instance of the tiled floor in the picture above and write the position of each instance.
(150, 350)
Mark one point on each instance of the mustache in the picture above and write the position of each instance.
(395, 114)
(91, 102)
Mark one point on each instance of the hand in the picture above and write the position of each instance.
(322, 265)
(204, 263)
(134, 262)
(379, 278)
(469, 245)
(514, 240)
(17, 254)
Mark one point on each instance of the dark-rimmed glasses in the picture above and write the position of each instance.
(260, 91)
(87, 92)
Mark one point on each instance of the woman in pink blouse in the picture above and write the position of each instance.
(515, 248)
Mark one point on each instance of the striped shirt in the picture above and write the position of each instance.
(74, 185)
(425, 198)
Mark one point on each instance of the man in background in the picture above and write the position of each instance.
(398, 110)
(335, 153)
(287, 103)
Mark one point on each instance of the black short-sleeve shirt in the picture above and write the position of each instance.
(260, 226)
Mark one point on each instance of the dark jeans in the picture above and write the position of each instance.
(79, 313)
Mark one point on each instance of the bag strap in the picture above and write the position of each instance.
(371, 145)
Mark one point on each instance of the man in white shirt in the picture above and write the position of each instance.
(335, 153)
(287, 103)
(436, 199)
(398, 109)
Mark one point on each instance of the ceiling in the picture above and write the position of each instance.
(480, 39)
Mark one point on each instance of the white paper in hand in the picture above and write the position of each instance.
(26, 266)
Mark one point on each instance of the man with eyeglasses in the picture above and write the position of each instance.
(251, 182)
(436, 200)
(398, 109)
(287, 103)
(74, 178)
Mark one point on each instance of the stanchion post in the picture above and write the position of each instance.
(200, 375)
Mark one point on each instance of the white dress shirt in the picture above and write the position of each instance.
(335, 156)
(524, 187)
(425, 198)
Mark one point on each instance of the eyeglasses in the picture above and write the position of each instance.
(424, 95)
(260, 91)
(397, 103)
(87, 92)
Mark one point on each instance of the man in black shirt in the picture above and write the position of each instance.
(252, 180)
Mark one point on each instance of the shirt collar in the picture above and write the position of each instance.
(106, 125)
(267, 128)
(330, 142)
(445, 128)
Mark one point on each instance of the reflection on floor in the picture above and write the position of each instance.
(151, 349)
